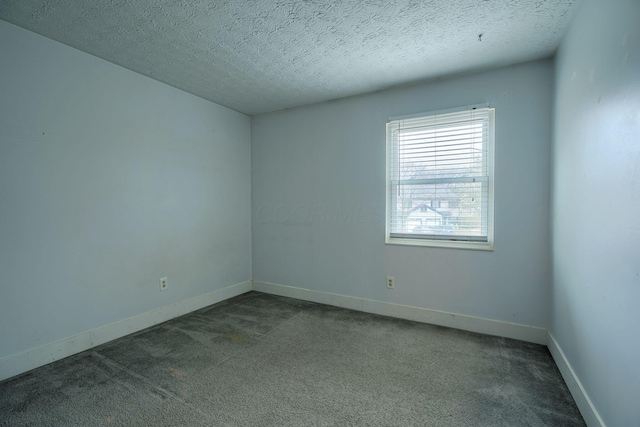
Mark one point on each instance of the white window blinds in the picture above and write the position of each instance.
(439, 178)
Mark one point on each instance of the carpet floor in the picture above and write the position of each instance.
(264, 360)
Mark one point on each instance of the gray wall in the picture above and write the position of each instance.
(318, 195)
(596, 206)
(108, 181)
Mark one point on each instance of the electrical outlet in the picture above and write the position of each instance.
(164, 283)
(391, 282)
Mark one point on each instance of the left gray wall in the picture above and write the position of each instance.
(108, 181)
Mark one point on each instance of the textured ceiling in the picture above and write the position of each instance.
(256, 56)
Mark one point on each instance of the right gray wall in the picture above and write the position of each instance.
(596, 211)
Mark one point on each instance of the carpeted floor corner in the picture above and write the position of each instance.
(264, 360)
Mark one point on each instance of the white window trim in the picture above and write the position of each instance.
(405, 241)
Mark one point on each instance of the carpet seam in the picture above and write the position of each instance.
(170, 394)
(239, 352)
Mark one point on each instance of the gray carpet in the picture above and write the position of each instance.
(263, 360)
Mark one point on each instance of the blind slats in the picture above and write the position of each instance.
(446, 180)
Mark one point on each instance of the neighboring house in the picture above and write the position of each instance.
(433, 211)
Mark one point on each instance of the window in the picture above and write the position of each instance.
(440, 179)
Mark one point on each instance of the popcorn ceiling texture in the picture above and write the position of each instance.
(265, 55)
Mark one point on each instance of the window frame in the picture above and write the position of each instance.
(442, 242)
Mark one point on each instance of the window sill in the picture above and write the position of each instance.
(477, 246)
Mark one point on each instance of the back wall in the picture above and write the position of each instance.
(318, 197)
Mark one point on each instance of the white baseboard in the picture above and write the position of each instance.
(39, 356)
(588, 411)
(452, 320)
